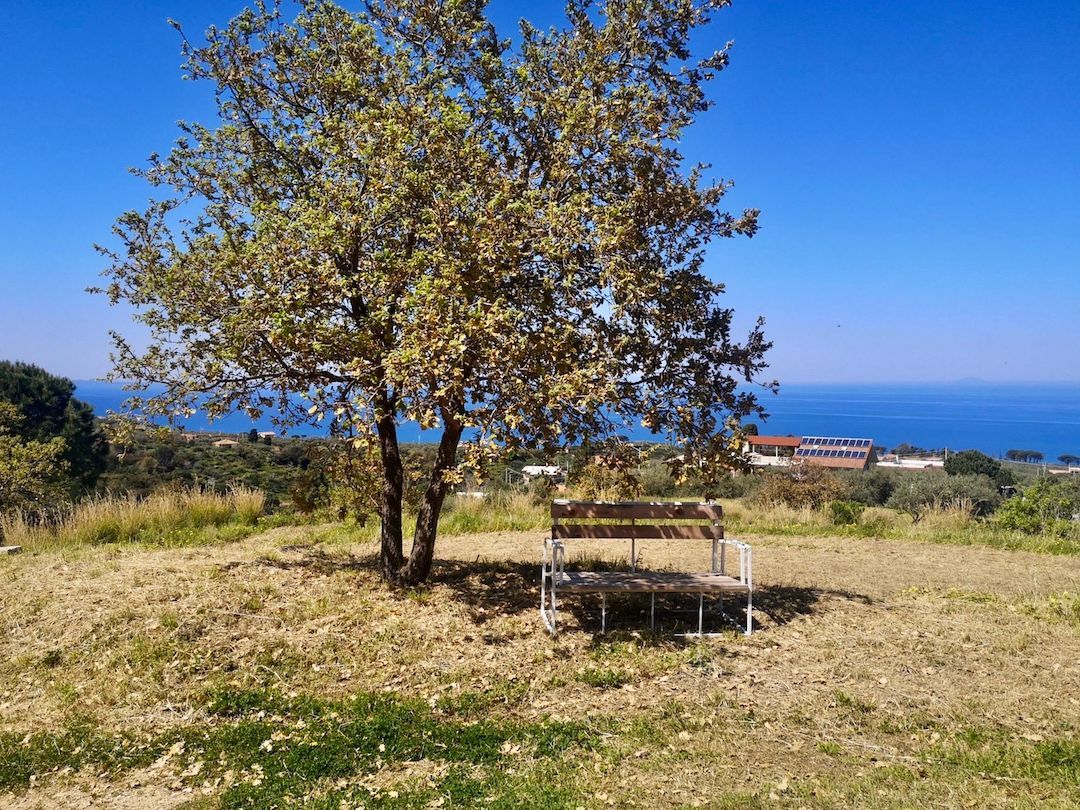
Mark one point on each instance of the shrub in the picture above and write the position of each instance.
(542, 490)
(799, 485)
(1045, 507)
(935, 491)
(738, 486)
(845, 513)
(609, 474)
(870, 487)
(656, 480)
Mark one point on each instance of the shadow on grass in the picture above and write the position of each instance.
(509, 588)
(491, 589)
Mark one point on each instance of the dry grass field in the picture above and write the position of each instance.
(278, 671)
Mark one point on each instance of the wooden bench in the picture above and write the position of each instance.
(577, 520)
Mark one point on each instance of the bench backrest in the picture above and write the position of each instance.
(640, 520)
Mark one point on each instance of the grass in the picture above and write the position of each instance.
(168, 517)
(272, 750)
(989, 752)
(280, 671)
(461, 515)
(192, 517)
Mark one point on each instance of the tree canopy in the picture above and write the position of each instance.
(28, 469)
(401, 215)
(974, 462)
(47, 409)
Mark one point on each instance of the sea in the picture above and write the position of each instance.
(991, 417)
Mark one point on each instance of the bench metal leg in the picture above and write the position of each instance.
(548, 598)
(603, 613)
(652, 612)
(548, 603)
(749, 612)
(700, 611)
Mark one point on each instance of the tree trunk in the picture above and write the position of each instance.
(391, 557)
(427, 520)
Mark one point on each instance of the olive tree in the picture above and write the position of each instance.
(401, 216)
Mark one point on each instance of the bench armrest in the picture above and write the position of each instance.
(746, 560)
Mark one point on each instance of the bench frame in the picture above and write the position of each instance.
(553, 577)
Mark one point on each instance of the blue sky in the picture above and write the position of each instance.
(917, 165)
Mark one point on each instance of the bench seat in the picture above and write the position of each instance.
(647, 582)
(634, 521)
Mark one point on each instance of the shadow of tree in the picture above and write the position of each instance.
(494, 588)
(315, 559)
(491, 588)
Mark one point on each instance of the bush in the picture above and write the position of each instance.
(845, 513)
(610, 474)
(935, 491)
(1045, 507)
(870, 487)
(738, 486)
(542, 490)
(656, 480)
(800, 486)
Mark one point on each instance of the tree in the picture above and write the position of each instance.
(28, 469)
(905, 449)
(928, 491)
(402, 216)
(253, 435)
(1029, 456)
(1069, 459)
(48, 410)
(972, 462)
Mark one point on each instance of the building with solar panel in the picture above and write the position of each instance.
(823, 451)
(835, 452)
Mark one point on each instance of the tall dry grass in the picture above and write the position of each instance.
(170, 515)
(503, 511)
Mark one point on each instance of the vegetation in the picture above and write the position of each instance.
(930, 490)
(152, 459)
(277, 749)
(1029, 456)
(972, 462)
(44, 411)
(28, 468)
(279, 671)
(403, 216)
(799, 485)
(1049, 506)
(163, 518)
